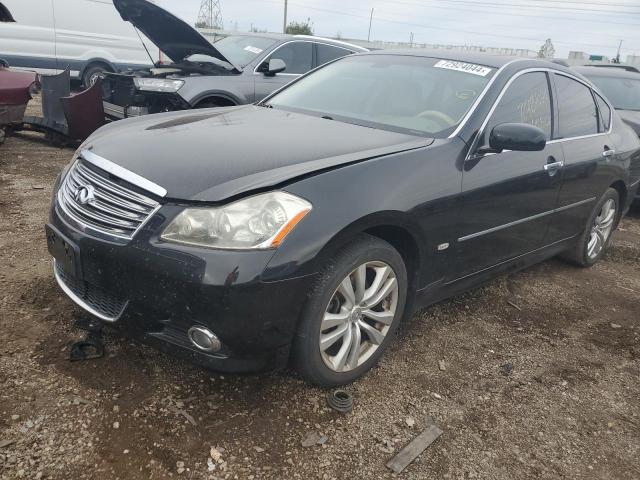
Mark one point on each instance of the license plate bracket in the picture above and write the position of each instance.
(65, 252)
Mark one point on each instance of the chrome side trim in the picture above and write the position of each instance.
(634, 183)
(481, 96)
(81, 302)
(523, 220)
(123, 173)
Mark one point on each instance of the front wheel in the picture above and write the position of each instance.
(597, 235)
(352, 313)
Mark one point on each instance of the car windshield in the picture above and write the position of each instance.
(242, 49)
(623, 93)
(411, 94)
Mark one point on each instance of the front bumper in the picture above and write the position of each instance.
(155, 291)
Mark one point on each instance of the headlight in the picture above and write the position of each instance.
(258, 222)
(158, 84)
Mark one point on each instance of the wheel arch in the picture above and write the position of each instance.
(97, 61)
(226, 97)
(392, 227)
(621, 188)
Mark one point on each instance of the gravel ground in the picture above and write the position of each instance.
(540, 379)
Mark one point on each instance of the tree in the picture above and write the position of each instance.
(547, 50)
(300, 28)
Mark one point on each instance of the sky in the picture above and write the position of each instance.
(592, 26)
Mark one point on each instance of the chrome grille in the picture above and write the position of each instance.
(111, 209)
(95, 300)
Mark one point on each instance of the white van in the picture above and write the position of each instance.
(86, 36)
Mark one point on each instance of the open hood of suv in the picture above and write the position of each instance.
(173, 36)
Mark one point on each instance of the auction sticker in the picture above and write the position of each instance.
(464, 67)
(251, 49)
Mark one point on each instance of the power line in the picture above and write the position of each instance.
(438, 27)
(515, 5)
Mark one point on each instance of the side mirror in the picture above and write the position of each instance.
(275, 65)
(520, 137)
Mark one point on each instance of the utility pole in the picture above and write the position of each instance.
(284, 25)
(618, 55)
(370, 20)
(411, 40)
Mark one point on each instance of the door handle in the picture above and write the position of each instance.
(608, 152)
(552, 166)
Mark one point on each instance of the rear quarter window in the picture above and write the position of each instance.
(605, 114)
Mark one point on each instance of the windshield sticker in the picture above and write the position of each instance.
(251, 49)
(464, 67)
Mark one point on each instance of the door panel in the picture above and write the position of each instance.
(583, 141)
(509, 197)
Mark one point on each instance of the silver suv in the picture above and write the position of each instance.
(235, 70)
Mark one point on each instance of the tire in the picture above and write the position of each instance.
(580, 253)
(375, 254)
(91, 74)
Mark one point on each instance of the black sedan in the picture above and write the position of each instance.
(302, 230)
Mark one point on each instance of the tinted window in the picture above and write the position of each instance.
(413, 94)
(527, 100)
(605, 114)
(623, 93)
(296, 55)
(326, 53)
(578, 114)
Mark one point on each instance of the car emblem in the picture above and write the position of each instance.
(85, 194)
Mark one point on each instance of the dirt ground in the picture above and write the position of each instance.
(541, 379)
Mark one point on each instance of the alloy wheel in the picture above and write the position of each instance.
(358, 316)
(601, 228)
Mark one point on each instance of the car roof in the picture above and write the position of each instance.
(606, 72)
(495, 61)
(286, 37)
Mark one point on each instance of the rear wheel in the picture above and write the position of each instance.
(352, 313)
(597, 235)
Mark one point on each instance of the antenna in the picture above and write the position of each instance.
(210, 15)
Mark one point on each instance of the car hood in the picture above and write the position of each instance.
(173, 36)
(212, 155)
(631, 118)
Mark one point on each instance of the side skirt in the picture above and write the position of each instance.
(439, 291)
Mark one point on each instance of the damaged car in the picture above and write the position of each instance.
(304, 229)
(235, 70)
(16, 89)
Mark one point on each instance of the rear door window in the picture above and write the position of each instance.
(297, 56)
(527, 100)
(605, 114)
(326, 53)
(578, 115)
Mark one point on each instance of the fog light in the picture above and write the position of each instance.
(204, 339)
